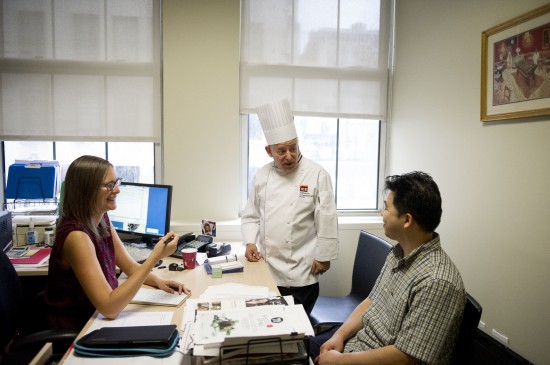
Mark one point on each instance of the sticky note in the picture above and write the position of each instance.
(216, 272)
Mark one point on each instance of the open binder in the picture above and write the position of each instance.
(227, 264)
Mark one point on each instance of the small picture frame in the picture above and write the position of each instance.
(208, 227)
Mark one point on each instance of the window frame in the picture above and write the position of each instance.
(289, 70)
(157, 157)
(382, 156)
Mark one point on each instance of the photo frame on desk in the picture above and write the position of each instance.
(515, 64)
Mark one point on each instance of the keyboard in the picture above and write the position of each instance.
(199, 245)
(139, 252)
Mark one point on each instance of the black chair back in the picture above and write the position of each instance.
(369, 259)
(11, 300)
(468, 328)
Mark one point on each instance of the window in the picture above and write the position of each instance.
(331, 59)
(347, 148)
(82, 77)
(133, 161)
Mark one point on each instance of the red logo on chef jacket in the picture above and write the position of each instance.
(304, 191)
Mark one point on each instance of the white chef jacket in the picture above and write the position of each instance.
(292, 217)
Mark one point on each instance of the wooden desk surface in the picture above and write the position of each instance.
(38, 271)
(254, 274)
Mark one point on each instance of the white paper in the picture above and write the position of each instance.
(132, 318)
(234, 291)
(158, 297)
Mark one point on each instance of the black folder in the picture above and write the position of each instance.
(158, 336)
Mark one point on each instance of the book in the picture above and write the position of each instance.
(32, 257)
(227, 264)
(159, 297)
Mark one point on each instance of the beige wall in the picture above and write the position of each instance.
(201, 108)
(493, 177)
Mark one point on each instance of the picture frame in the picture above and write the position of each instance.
(515, 67)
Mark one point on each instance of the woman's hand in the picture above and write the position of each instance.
(171, 286)
(166, 246)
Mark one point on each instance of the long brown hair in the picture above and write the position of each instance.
(82, 182)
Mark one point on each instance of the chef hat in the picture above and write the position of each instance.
(277, 122)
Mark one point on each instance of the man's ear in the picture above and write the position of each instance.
(409, 220)
(268, 150)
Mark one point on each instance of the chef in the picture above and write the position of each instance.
(290, 218)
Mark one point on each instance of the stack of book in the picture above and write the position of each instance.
(30, 258)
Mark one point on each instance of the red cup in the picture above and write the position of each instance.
(189, 258)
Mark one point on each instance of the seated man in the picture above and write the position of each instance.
(413, 314)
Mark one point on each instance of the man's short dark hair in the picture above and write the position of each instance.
(417, 193)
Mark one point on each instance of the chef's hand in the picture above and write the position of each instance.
(252, 253)
(319, 267)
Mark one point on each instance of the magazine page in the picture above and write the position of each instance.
(194, 305)
(212, 327)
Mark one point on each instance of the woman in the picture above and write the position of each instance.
(87, 249)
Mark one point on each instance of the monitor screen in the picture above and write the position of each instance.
(143, 211)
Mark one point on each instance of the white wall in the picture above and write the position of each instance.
(493, 177)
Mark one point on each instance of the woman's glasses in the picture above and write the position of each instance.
(112, 184)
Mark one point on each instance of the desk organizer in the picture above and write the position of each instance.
(250, 354)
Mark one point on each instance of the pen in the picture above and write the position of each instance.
(168, 240)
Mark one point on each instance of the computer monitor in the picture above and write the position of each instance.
(6, 232)
(143, 212)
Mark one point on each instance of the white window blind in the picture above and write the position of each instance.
(80, 70)
(329, 57)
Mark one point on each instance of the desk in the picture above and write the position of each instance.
(255, 274)
(36, 271)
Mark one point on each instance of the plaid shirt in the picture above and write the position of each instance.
(417, 305)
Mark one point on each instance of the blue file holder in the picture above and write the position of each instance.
(36, 182)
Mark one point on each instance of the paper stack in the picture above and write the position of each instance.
(254, 330)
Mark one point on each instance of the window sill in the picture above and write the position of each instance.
(231, 230)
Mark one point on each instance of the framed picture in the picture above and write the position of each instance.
(515, 67)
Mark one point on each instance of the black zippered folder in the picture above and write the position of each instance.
(157, 336)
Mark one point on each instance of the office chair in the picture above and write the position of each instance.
(15, 348)
(462, 353)
(369, 258)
